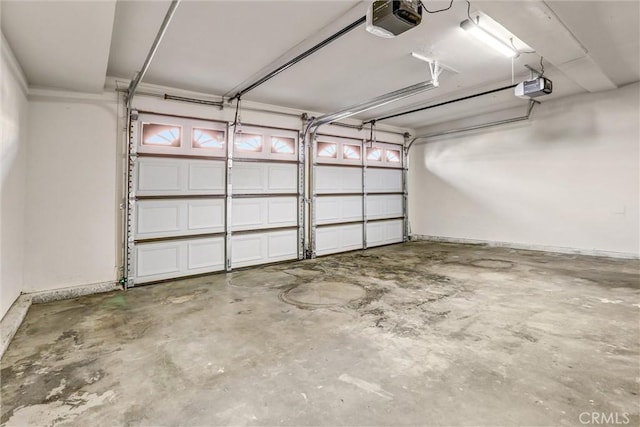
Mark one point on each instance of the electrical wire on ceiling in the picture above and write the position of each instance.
(520, 51)
(436, 11)
(469, 11)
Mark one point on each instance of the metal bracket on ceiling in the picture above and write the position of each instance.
(435, 69)
(533, 71)
(406, 137)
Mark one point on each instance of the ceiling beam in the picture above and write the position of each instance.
(535, 23)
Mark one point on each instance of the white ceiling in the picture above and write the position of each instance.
(215, 47)
(64, 45)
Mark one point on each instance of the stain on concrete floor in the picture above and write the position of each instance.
(412, 334)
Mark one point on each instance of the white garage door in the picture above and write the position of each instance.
(266, 185)
(358, 197)
(202, 200)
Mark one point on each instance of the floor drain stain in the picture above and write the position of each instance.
(492, 263)
(322, 294)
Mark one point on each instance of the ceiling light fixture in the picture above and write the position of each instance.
(489, 39)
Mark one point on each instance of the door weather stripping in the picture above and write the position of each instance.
(421, 138)
(464, 98)
(299, 58)
(154, 47)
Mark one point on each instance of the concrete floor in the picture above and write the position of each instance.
(412, 334)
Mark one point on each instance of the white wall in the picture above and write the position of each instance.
(72, 193)
(13, 100)
(568, 178)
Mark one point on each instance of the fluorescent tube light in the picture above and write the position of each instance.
(489, 39)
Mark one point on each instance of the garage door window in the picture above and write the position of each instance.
(248, 142)
(161, 135)
(374, 154)
(327, 150)
(281, 145)
(208, 138)
(393, 156)
(351, 152)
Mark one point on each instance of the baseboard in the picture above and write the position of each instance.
(541, 248)
(15, 316)
(12, 320)
(73, 292)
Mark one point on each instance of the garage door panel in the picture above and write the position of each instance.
(282, 245)
(205, 254)
(265, 247)
(336, 179)
(253, 178)
(247, 178)
(167, 177)
(246, 214)
(383, 180)
(159, 176)
(384, 206)
(327, 210)
(384, 232)
(192, 137)
(169, 218)
(264, 212)
(282, 212)
(158, 259)
(246, 250)
(338, 209)
(282, 178)
(206, 176)
(177, 258)
(339, 238)
(157, 218)
(206, 216)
